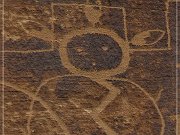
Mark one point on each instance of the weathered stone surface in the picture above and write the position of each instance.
(89, 67)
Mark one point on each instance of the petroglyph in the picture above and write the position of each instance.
(42, 102)
(139, 39)
(94, 49)
(105, 73)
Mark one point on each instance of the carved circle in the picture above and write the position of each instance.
(103, 73)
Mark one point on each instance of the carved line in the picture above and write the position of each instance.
(38, 89)
(98, 120)
(168, 23)
(102, 124)
(30, 51)
(150, 50)
(36, 94)
(168, 33)
(159, 95)
(88, 5)
(36, 51)
(108, 99)
(100, 6)
(3, 67)
(52, 17)
(35, 98)
(113, 92)
(152, 99)
(159, 38)
(30, 117)
(122, 44)
(125, 28)
(93, 114)
(125, 24)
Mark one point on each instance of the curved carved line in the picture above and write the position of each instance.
(151, 98)
(108, 99)
(32, 102)
(94, 114)
(35, 98)
(141, 35)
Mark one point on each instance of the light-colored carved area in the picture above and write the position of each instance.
(89, 67)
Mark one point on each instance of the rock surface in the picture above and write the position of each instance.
(88, 67)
